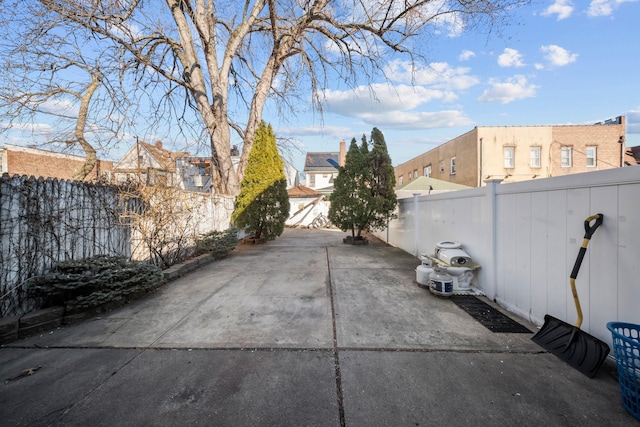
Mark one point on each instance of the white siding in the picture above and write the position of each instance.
(539, 228)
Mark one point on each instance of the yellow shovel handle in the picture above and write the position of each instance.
(576, 300)
(588, 232)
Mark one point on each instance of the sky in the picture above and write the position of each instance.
(560, 62)
(556, 62)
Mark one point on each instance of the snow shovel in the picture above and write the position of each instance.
(580, 350)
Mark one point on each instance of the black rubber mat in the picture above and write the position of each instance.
(488, 316)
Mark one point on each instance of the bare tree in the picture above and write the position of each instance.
(55, 69)
(230, 56)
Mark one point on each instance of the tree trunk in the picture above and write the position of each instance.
(214, 115)
(85, 100)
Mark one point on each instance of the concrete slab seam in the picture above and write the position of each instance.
(99, 385)
(287, 349)
(336, 354)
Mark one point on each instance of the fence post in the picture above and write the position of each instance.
(416, 225)
(492, 211)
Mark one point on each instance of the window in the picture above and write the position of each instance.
(1, 164)
(509, 153)
(400, 180)
(426, 171)
(441, 166)
(591, 157)
(453, 166)
(566, 157)
(535, 157)
(312, 180)
(415, 173)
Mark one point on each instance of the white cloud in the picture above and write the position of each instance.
(418, 119)
(377, 99)
(510, 58)
(633, 121)
(394, 106)
(504, 92)
(604, 7)
(60, 106)
(452, 23)
(39, 128)
(562, 8)
(558, 56)
(332, 131)
(126, 29)
(439, 75)
(466, 55)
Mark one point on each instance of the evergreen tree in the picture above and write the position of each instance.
(364, 145)
(345, 211)
(363, 197)
(262, 207)
(382, 183)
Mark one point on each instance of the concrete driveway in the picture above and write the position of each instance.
(301, 331)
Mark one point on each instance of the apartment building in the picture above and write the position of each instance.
(519, 153)
(19, 160)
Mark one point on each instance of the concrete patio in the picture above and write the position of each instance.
(301, 331)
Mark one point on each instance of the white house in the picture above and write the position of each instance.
(306, 204)
(321, 168)
(147, 163)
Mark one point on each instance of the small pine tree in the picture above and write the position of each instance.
(262, 207)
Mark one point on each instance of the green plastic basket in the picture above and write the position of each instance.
(626, 349)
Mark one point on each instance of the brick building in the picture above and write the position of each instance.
(519, 153)
(18, 160)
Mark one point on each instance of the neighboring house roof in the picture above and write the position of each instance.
(632, 156)
(326, 190)
(165, 157)
(160, 158)
(424, 184)
(317, 162)
(302, 191)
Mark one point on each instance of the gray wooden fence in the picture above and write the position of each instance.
(43, 221)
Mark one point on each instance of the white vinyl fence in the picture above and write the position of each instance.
(526, 237)
(304, 210)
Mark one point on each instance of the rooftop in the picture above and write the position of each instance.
(317, 162)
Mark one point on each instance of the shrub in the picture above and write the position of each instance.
(93, 282)
(262, 207)
(218, 243)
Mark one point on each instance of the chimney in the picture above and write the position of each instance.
(159, 145)
(343, 152)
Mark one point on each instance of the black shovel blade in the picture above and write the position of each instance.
(580, 350)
